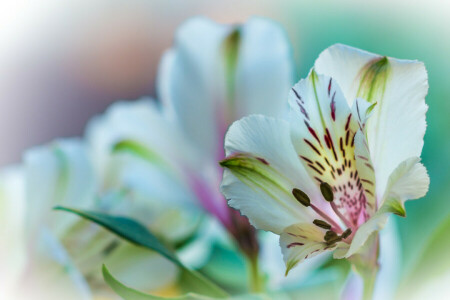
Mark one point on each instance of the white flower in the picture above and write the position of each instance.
(213, 75)
(328, 177)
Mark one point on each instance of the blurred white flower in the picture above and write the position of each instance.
(168, 154)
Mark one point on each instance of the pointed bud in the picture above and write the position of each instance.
(346, 233)
(327, 192)
(301, 197)
(321, 224)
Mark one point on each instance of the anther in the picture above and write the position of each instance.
(334, 240)
(321, 224)
(327, 192)
(301, 197)
(329, 235)
(346, 233)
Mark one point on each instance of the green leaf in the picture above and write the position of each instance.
(128, 293)
(136, 233)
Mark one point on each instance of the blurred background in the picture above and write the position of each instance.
(61, 62)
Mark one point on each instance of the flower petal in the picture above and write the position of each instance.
(322, 131)
(301, 241)
(396, 129)
(408, 181)
(264, 72)
(366, 172)
(186, 80)
(144, 159)
(59, 173)
(13, 247)
(262, 168)
(214, 74)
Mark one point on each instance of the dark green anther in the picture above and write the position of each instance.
(334, 240)
(321, 224)
(329, 235)
(327, 192)
(301, 197)
(346, 233)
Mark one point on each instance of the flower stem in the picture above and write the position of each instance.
(255, 278)
(369, 284)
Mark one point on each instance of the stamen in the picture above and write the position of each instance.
(330, 234)
(334, 225)
(341, 216)
(305, 201)
(331, 237)
(301, 197)
(321, 224)
(346, 233)
(327, 192)
(334, 240)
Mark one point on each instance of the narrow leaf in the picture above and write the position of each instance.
(136, 233)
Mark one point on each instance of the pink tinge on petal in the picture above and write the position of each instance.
(212, 201)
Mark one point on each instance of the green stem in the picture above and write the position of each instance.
(256, 284)
(369, 279)
(366, 266)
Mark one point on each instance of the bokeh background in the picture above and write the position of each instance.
(61, 62)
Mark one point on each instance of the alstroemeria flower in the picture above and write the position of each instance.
(214, 75)
(327, 178)
(51, 255)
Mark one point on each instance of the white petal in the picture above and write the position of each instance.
(322, 130)
(365, 171)
(264, 73)
(12, 232)
(219, 73)
(408, 181)
(57, 174)
(396, 129)
(187, 81)
(139, 121)
(263, 189)
(301, 241)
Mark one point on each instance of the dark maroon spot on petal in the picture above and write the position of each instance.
(313, 133)
(294, 244)
(353, 140)
(303, 110)
(315, 169)
(320, 165)
(330, 141)
(262, 160)
(369, 192)
(367, 181)
(329, 86)
(369, 166)
(363, 157)
(312, 146)
(297, 95)
(306, 159)
(333, 107)
(348, 121)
